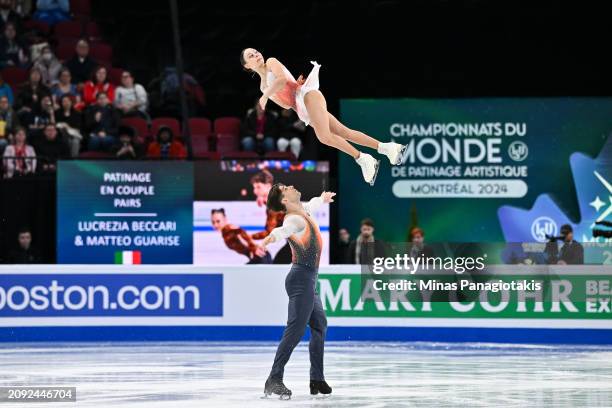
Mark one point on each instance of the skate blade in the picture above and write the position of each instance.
(403, 156)
(320, 396)
(376, 167)
(283, 397)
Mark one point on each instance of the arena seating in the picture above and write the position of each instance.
(68, 29)
(140, 126)
(210, 139)
(172, 123)
(279, 156)
(14, 76)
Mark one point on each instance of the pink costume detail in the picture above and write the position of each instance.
(293, 94)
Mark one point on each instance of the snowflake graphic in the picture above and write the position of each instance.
(592, 178)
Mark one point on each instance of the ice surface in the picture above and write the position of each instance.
(361, 374)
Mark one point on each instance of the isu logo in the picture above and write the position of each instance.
(541, 227)
(518, 151)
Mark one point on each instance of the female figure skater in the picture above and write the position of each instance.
(304, 97)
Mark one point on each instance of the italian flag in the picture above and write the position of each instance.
(128, 257)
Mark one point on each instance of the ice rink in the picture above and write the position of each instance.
(361, 374)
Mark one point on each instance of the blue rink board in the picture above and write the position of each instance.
(274, 333)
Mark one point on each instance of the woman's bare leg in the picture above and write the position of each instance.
(319, 120)
(351, 135)
(396, 153)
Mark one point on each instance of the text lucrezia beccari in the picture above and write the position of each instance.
(435, 285)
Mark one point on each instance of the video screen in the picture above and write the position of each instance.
(230, 215)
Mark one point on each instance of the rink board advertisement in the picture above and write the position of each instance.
(98, 303)
(484, 170)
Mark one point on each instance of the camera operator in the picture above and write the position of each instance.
(605, 233)
(570, 252)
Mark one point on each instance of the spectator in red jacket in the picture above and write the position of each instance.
(165, 147)
(99, 83)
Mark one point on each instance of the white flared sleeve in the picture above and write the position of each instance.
(313, 205)
(292, 224)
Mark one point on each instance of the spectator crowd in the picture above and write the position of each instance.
(64, 107)
(61, 98)
(266, 131)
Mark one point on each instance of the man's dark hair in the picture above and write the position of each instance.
(217, 211)
(368, 222)
(566, 229)
(23, 230)
(275, 197)
(264, 177)
(127, 130)
(163, 129)
(416, 230)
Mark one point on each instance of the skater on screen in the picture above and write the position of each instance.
(303, 96)
(262, 184)
(237, 239)
(305, 307)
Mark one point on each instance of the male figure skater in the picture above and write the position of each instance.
(304, 237)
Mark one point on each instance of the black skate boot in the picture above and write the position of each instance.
(274, 386)
(317, 387)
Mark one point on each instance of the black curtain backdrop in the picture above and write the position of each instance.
(372, 48)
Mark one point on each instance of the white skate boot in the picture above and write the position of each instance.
(397, 153)
(369, 167)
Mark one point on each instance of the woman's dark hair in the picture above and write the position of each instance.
(242, 60)
(217, 211)
(94, 75)
(32, 70)
(18, 129)
(10, 24)
(275, 197)
(64, 96)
